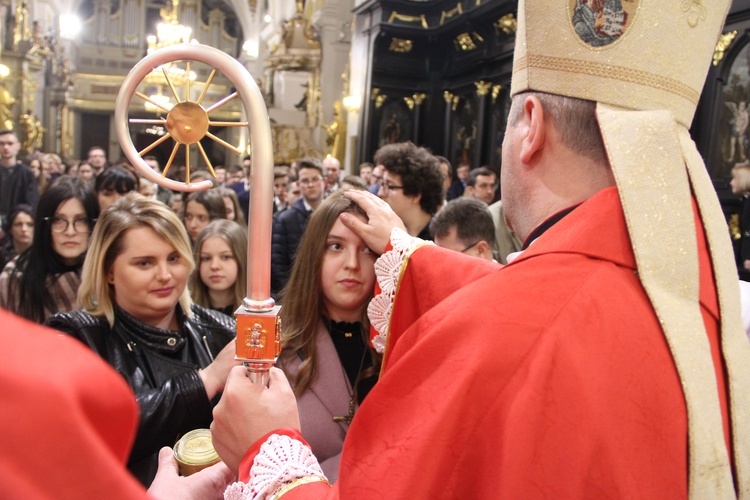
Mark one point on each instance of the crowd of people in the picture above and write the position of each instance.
(408, 369)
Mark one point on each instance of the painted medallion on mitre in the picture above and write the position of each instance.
(599, 23)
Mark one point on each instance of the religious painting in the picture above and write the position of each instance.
(396, 122)
(599, 23)
(464, 129)
(733, 145)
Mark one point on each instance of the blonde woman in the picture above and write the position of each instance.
(138, 316)
(219, 279)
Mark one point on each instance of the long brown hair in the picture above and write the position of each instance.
(302, 296)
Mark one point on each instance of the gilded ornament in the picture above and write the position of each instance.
(379, 100)
(722, 45)
(409, 102)
(447, 14)
(419, 98)
(483, 88)
(464, 42)
(401, 45)
(507, 24)
(375, 92)
(496, 92)
(456, 100)
(448, 97)
(395, 16)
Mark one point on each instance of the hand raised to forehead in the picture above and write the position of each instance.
(381, 219)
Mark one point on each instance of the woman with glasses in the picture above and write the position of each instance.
(45, 278)
(138, 316)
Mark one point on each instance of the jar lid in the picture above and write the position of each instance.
(196, 448)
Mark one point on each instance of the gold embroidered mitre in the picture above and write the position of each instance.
(644, 63)
(635, 54)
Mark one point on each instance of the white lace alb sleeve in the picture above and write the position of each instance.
(388, 271)
(282, 462)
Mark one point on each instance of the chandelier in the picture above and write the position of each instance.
(168, 32)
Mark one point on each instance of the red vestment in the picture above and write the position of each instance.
(68, 420)
(547, 378)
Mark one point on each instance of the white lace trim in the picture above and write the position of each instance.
(387, 270)
(280, 461)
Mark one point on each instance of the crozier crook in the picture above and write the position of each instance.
(258, 324)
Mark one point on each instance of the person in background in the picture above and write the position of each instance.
(218, 282)
(412, 185)
(52, 166)
(221, 176)
(138, 316)
(18, 227)
(201, 208)
(146, 188)
(332, 170)
(280, 180)
(365, 170)
(481, 184)
(112, 184)
(293, 192)
(352, 181)
(45, 278)
(376, 178)
(97, 158)
(17, 182)
(465, 225)
(162, 194)
(176, 203)
(232, 205)
(85, 171)
(325, 331)
(290, 224)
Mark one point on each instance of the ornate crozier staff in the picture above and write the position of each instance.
(258, 324)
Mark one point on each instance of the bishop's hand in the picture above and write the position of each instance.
(381, 219)
(249, 411)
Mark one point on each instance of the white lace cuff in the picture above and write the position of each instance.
(280, 462)
(388, 272)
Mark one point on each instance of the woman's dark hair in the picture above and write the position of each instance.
(21, 208)
(40, 260)
(213, 202)
(116, 178)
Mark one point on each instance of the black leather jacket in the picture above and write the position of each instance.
(161, 367)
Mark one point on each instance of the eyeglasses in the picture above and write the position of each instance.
(60, 224)
(309, 182)
(390, 187)
(470, 246)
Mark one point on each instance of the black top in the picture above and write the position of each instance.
(356, 358)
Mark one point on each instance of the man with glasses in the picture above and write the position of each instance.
(17, 182)
(412, 185)
(97, 158)
(289, 225)
(464, 225)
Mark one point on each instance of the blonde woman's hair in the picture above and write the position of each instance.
(95, 294)
(236, 237)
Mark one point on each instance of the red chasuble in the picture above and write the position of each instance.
(67, 419)
(547, 378)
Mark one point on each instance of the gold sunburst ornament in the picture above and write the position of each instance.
(187, 122)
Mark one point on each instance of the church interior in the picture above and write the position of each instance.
(339, 77)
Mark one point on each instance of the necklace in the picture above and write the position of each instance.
(355, 385)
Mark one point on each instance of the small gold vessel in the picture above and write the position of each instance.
(195, 451)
